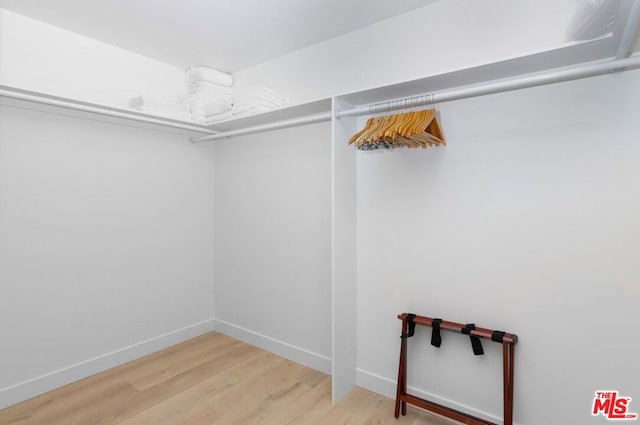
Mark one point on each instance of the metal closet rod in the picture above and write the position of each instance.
(96, 109)
(500, 86)
(492, 87)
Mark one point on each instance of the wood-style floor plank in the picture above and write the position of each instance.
(212, 379)
(182, 405)
(312, 406)
(85, 387)
(353, 409)
(160, 371)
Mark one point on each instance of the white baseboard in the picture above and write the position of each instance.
(387, 387)
(58, 378)
(289, 351)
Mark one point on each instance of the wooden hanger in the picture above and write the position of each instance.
(417, 129)
(359, 133)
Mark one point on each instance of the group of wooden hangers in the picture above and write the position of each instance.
(418, 129)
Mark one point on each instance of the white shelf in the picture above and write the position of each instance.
(282, 114)
(82, 107)
(287, 113)
(574, 54)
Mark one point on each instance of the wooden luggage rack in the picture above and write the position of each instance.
(508, 341)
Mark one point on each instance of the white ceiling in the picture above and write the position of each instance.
(227, 35)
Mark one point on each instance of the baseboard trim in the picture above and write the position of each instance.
(58, 378)
(387, 387)
(289, 351)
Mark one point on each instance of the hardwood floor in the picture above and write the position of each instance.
(212, 379)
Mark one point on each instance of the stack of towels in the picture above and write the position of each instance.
(210, 96)
(211, 99)
(254, 100)
(156, 105)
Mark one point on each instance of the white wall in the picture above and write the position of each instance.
(106, 246)
(438, 38)
(41, 57)
(527, 221)
(273, 241)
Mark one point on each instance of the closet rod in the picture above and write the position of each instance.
(6, 91)
(309, 119)
(499, 86)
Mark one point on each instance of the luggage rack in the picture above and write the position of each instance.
(508, 341)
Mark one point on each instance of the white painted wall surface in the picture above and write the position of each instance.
(44, 58)
(441, 37)
(273, 241)
(106, 246)
(527, 221)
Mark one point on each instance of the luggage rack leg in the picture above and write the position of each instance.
(507, 374)
(402, 374)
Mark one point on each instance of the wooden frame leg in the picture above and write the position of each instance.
(507, 372)
(401, 388)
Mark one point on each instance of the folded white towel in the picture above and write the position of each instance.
(264, 104)
(156, 105)
(255, 100)
(200, 119)
(200, 73)
(251, 111)
(211, 88)
(200, 98)
(246, 100)
(209, 108)
(258, 91)
(265, 98)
